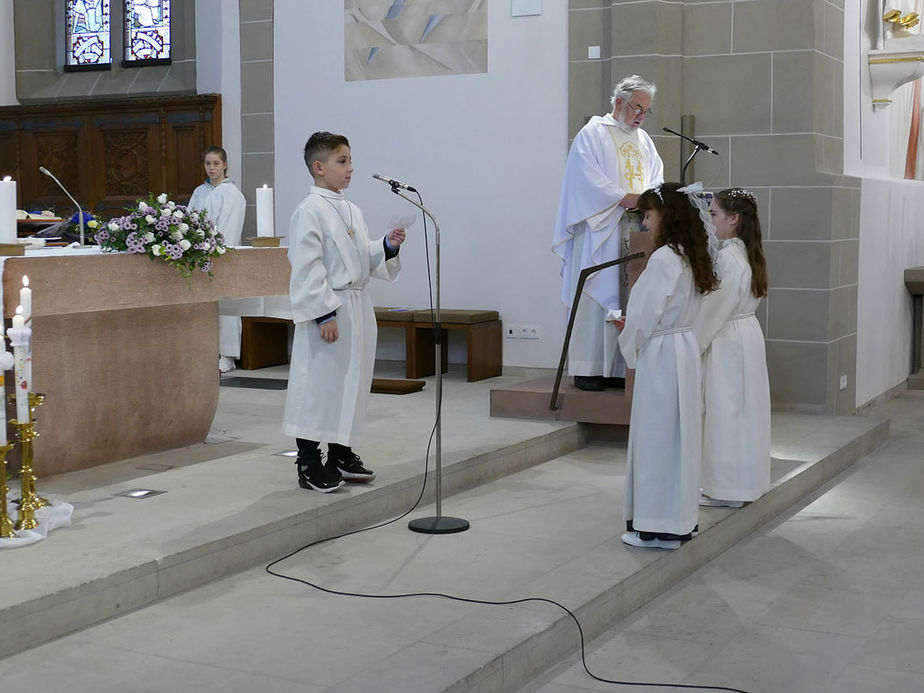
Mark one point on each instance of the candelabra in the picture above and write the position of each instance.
(6, 525)
(28, 503)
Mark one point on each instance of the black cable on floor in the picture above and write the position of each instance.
(441, 595)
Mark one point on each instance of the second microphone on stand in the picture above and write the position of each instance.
(394, 183)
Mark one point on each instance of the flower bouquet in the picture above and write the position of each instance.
(90, 226)
(161, 229)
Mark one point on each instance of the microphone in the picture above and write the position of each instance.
(79, 210)
(701, 145)
(393, 183)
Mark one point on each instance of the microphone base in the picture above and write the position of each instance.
(438, 525)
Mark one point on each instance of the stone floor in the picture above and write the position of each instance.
(183, 571)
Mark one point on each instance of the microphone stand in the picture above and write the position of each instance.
(582, 277)
(438, 524)
(697, 148)
(79, 210)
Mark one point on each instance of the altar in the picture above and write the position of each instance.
(126, 349)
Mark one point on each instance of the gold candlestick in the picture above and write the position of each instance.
(27, 504)
(36, 399)
(6, 524)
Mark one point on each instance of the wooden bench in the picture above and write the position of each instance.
(264, 340)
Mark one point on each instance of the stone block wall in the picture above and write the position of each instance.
(764, 81)
(257, 98)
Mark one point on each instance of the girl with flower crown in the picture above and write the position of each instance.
(657, 339)
(736, 427)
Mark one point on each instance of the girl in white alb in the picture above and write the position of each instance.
(658, 340)
(736, 425)
(225, 206)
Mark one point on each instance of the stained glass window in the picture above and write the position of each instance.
(87, 34)
(147, 31)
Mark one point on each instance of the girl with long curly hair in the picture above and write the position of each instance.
(736, 427)
(663, 459)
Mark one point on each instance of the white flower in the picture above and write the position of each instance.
(149, 219)
(113, 226)
(178, 214)
(185, 245)
(195, 217)
(165, 212)
(143, 206)
(171, 204)
(184, 227)
(157, 249)
(175, 235)
(148, 237)
(220, 249)
(162, 198)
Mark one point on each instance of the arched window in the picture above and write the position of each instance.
(87, 35)
(147, 32)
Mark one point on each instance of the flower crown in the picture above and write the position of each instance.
(743, 193)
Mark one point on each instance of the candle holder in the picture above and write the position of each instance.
(36, 399)
(6, 524)
(27, 504)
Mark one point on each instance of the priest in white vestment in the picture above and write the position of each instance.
(611, 161)
(225, 206)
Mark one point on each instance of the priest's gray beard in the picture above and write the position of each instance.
(625, 127)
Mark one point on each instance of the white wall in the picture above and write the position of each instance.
(486, 151)
(218, 69)
(891, 227)
(7, 55)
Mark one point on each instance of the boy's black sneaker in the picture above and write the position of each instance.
(348, 465)
(313, 474)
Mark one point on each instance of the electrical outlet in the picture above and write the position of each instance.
(511, 331)
(843, 382)
(529, 332)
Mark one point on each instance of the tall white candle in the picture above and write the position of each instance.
(265, 211)
(25, 299)
(19, 338)
(3, 438)
(7, 210)
(4, 354)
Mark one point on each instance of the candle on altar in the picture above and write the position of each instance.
(25, 299)
(7, 210)
(4, 355)
(265, 211)
(22, 365)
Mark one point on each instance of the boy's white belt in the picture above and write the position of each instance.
(673, 331)
(742, 316)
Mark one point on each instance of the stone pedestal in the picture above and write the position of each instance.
(126, 349)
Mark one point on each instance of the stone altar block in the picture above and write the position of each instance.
(126, 349)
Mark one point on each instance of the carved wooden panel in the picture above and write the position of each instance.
(108, 153)
(126, 162)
